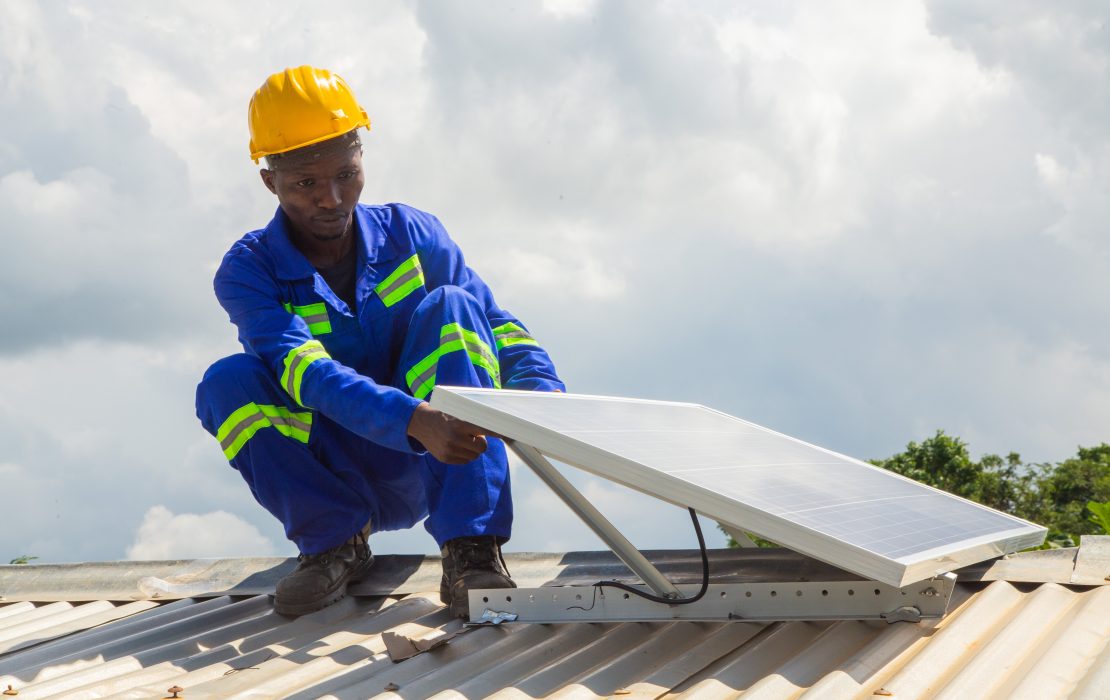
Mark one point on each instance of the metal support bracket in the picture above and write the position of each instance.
(755, 602)
(597, 522)
(759, 602)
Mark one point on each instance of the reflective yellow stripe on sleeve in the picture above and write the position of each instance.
(244, 422)
(406, 279)
(512, 334)
(296, 362)
(315, 315)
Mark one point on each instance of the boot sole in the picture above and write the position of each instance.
(311, 606)
(459, 605)
(330, 597)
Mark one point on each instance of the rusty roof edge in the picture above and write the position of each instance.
(1088, 564)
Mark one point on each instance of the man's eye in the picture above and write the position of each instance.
(306, 183)
(346, 175)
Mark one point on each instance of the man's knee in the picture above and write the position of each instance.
(230, 374)
(448, 297)
(229, 383)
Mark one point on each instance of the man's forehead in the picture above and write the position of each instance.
(335, 162)
(339, 151)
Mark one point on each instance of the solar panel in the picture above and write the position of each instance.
(823, 504)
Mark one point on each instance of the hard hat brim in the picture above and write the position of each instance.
(260, 154)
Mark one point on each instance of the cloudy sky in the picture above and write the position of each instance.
(854, 222)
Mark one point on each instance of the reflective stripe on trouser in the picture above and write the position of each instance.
(421, 378)
(473, 498)
(326, 489)
(322, 489)
(246, 421)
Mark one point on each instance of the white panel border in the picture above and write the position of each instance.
(900, 572)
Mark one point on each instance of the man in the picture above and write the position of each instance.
(350, 315)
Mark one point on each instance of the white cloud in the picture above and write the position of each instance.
(1079, 191)
(570, 8)
(1051, 173)
(577, 275)
(854, 224)
(163, 535)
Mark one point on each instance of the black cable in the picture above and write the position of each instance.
(673, 601)
(593, 602)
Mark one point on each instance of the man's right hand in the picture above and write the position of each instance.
(450, 440)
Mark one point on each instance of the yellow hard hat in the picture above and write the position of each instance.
(299, 107)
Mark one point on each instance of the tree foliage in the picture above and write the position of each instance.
(1066, 497)
(1100, 515)
(1065, 489)
(943, 461)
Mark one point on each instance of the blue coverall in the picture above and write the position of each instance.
(315, 414)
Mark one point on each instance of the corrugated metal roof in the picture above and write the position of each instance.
(1001, 640)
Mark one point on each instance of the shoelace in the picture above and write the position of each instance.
(479, 555)
(324, 558)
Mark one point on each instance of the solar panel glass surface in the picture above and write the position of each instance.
(827, 505)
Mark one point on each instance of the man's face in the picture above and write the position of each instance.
(319, 197)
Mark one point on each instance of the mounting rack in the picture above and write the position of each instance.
(756, 602)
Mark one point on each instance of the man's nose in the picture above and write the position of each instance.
(329, 196)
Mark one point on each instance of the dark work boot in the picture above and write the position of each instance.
(321, 579)
(471, 562)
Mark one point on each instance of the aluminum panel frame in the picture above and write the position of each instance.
(899, 572)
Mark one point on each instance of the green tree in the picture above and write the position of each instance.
(939, 461)
(1006, 484)
(1063, 491)
(1100, 516)
(943, 462)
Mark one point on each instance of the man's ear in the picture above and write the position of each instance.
(268, 179)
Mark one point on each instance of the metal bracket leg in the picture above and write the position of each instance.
(593, 518)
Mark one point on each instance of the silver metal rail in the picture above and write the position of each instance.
(753, 602)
